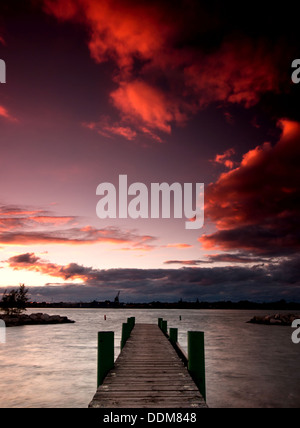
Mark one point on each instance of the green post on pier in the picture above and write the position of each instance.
(164, 326)
(173, 335)
(126, 330)
(106, 354)
(196, 359)
(131, 322)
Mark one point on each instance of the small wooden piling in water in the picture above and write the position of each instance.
(149, 372)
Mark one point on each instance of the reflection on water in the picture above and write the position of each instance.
(247, 365)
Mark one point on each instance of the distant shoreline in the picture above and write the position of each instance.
(279, 305)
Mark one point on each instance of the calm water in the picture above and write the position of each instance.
(55, 365)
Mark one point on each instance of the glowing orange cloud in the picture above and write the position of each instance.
(32, 263)
(6, 115)
(118, 29)
(179, 246)
(224, 159)
(146, 105)
(141, 40)
(103, 127)
(254, 206)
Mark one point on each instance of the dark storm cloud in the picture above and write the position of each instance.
(256, 206)
(222, 257)
(24, 259)
(261, 282)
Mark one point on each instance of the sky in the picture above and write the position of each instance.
(163, 92)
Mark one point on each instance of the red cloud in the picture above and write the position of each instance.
(10, 223)
(6, 115)
(142, 39)
(225, 159)
(122, 30)
(52, 220)
(239, 72)
(74, 236)
(14, 218)
(255, 206)
(20, 226)
(30, 262)
(179, 246)
(103, 127)
(124, 131)
(17, 211)
(147, 106)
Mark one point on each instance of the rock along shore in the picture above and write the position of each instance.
(33, 319)
(277, 319)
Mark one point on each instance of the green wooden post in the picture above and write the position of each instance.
(126, 330)
(173, 335)
(106, 354)
(131, 322)
(164, 326)
(196, 363)
(160, 320)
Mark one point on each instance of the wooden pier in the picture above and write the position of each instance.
(148, 374)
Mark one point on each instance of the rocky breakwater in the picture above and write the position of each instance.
(33, 319)
(277, 319)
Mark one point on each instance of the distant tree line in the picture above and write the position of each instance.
(243, 304)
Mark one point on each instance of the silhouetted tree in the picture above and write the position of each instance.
(15, 301)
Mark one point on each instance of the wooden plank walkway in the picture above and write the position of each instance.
(148, 374)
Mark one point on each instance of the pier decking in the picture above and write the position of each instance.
(148, 374)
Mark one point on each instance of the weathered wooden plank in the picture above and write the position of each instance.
(143, 387)
(148, 374)
(149, 404)
(148, 392)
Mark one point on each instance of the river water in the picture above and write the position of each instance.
(54, 366)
